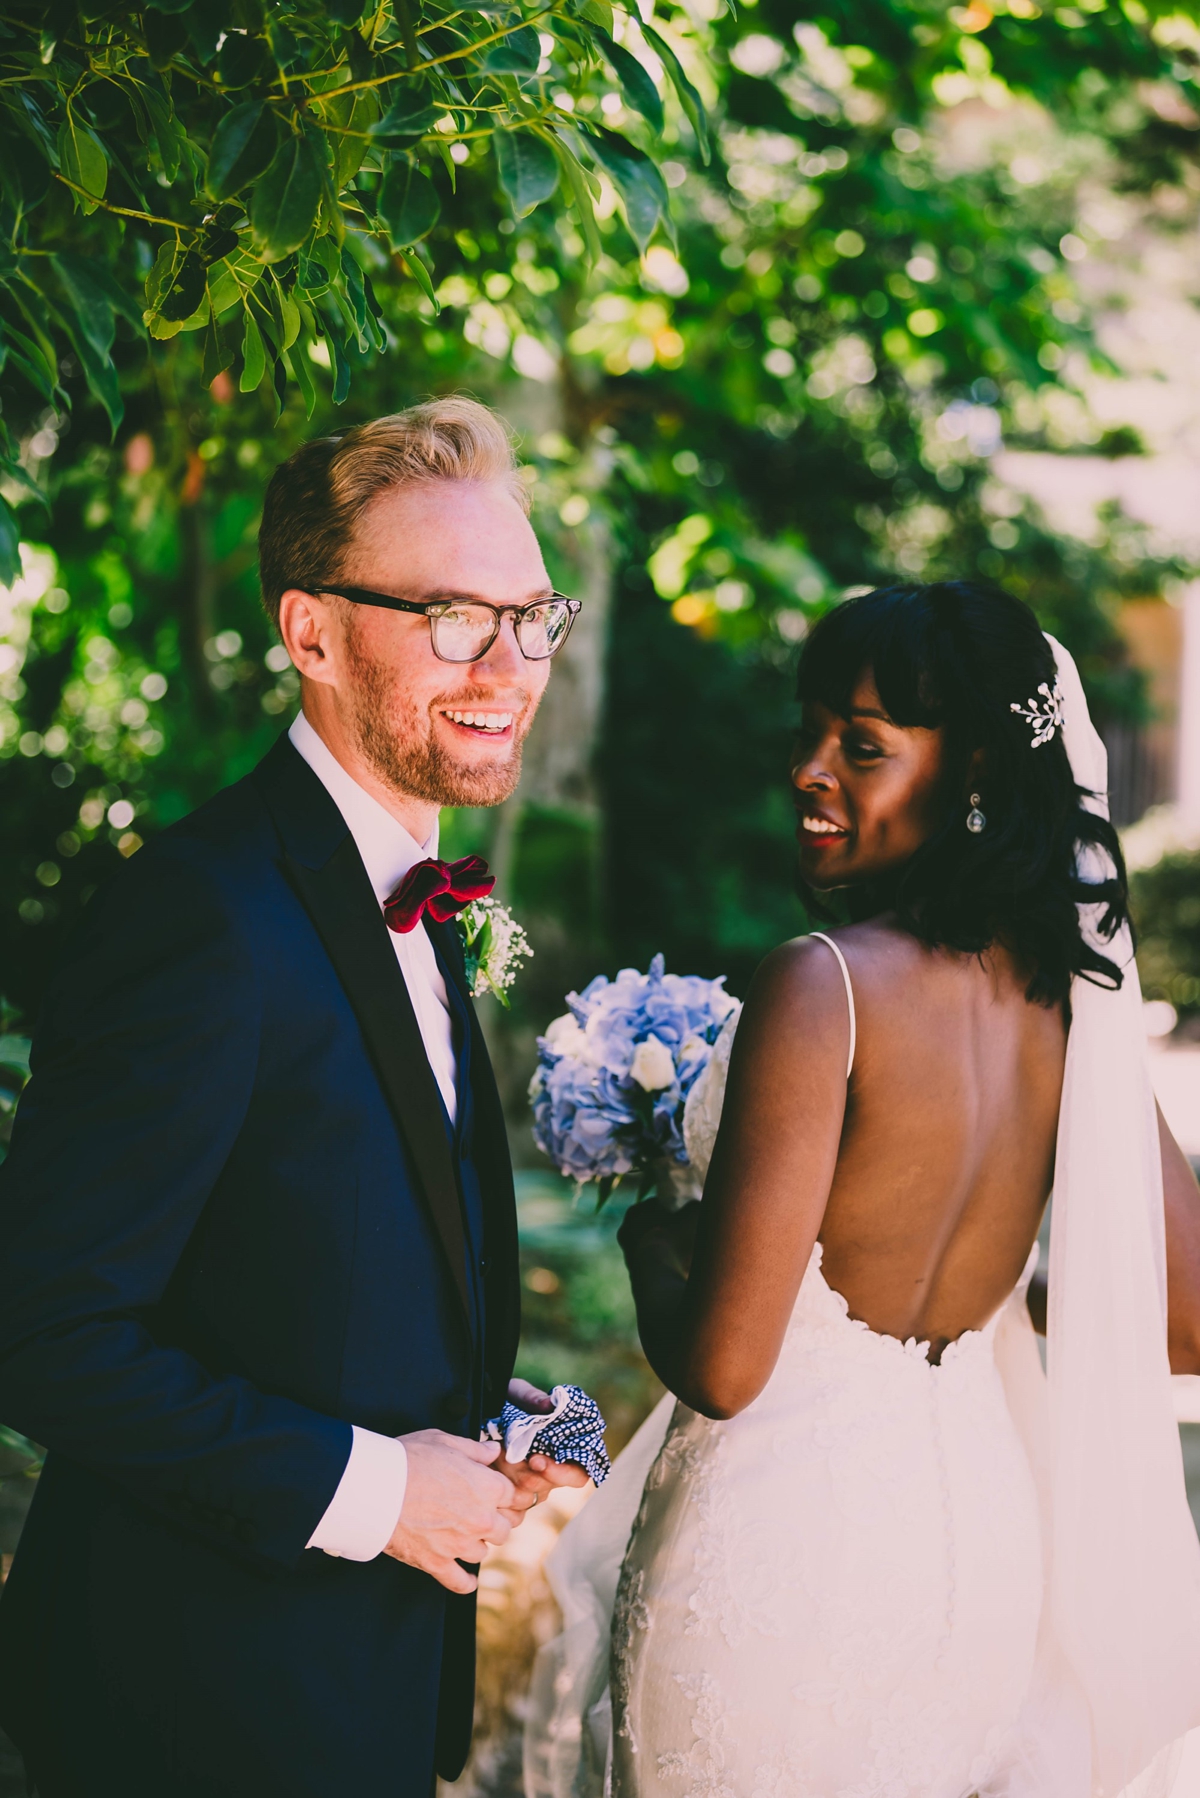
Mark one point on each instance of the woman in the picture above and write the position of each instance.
(869, 1561)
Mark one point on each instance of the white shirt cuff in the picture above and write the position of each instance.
(365, 1509)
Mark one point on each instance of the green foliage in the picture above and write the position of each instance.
(251, 171)
(14, 1072)
(577, 1309)
(1166, 908)
(801, 398)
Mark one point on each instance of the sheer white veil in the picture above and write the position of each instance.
(1124, 1562)
(1118, 1679)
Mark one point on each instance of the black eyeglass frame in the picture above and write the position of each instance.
(436, 608)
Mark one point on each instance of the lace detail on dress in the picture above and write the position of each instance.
(784, 1776)
(746, 1574)
(631, 1614)
(702, 1112)
(679, 1456)
(842, 1584)
(703, 1765)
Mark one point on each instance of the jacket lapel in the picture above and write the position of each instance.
(325, 870)
(495, 1172)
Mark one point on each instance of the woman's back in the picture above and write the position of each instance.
(947, 1149)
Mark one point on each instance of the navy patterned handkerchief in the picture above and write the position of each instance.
(573, 1431)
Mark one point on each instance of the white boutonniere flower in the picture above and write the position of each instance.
(494, 946)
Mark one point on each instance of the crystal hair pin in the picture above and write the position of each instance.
(1044, 715)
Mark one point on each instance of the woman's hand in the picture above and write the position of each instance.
(649, 1232)
(539, 1475)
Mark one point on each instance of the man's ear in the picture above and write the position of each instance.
(305, 626)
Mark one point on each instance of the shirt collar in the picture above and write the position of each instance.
(387, 849)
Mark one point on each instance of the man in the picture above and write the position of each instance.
(258, 1266)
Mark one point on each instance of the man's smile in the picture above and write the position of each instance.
(487, 723)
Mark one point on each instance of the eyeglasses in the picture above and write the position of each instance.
(463, 630)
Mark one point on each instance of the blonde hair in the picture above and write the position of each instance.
(316, 498)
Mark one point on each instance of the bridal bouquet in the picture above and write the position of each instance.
(614, 1074)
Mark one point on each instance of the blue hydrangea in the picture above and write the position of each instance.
(614, 1071)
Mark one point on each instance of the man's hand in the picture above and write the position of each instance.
(455, 1504)
(538, 1475)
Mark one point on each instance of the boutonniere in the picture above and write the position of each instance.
(494, 946)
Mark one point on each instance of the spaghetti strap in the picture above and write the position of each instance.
(849, 995)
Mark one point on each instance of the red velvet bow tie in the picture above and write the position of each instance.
(440, 888)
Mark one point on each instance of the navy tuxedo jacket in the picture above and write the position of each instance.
(235, 1221)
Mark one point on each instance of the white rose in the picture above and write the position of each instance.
(653, 1065)
(564, 1037)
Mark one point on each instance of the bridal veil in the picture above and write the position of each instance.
(1118, 1680)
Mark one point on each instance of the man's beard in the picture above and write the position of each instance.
(399, 743)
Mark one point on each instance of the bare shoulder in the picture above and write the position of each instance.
(877, 949)
(798, 991)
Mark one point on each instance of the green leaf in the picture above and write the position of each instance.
(577, 180)
(167, 129)
(635, 79)
(448, 162)
(23, 169)
(14, 1054)
(322, 152)
(285, 201)
(165, 37)
(354, 115)
(242, 60)
(99, 372)
(302, 369)
(421, 276)
(597, 12)
(517, 54)
(635, 178)
(243, 146)
(528, 169)
(82, 160)
(228, 281)
(29, 360)
(93, 332)
(355, 296)
(10, 545)
(96, 298)
(341, 361)
(33, 355)
(689, 98)
(410, 116)
(408, 203)
(218, 352)
(287, 316)
(189, 283)
(254, 356)
(170, 255)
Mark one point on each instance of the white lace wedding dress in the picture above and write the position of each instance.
(889, 1579)
(835, 1594)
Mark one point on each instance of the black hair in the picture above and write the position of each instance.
(958, 654)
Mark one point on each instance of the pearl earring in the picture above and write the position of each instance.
(975, 818)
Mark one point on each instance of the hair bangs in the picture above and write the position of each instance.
(885, 634)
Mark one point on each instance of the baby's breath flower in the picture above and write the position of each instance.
(494, 946)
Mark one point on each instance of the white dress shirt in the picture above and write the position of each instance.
(366, 1506)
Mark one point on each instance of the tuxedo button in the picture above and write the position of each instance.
(483, 1264)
